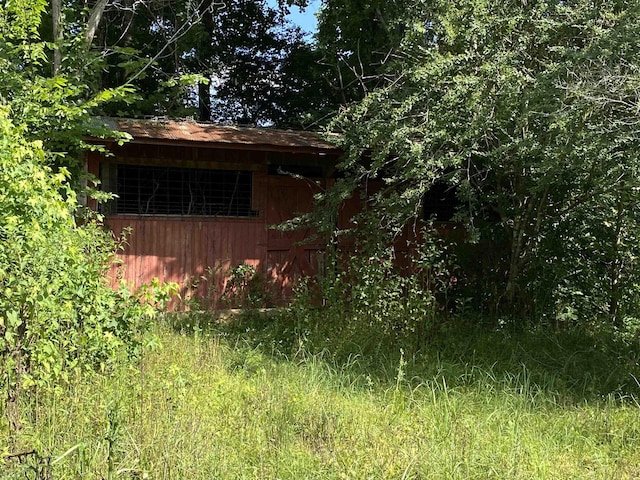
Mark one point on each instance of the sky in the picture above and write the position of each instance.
(305, 20)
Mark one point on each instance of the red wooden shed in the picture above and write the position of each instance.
(199, 199)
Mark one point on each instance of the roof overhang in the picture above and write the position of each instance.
(207, 135)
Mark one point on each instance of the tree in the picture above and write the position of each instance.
(58, 314)
(357, 40)
(516, 106)
(241, 62)
(250, 43)
(50, 96)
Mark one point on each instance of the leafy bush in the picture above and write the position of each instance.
(369, 300)
(245, 288)
(516, 106)
(58, 315)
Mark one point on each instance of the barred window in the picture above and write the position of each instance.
(146, 190)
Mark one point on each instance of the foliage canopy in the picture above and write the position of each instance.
(58, 314)
(530, 111)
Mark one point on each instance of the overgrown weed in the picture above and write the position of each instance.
(277, 397)
(572, 365)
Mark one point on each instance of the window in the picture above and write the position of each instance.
(440, 202)
(146, 190)
(308, 171)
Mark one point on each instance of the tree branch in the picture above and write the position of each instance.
(94, 21)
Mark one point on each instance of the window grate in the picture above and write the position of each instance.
(144, 190)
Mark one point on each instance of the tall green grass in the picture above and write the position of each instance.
(272, 398)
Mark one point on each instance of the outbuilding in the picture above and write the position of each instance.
(198, 199)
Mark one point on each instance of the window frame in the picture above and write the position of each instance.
(216, 198)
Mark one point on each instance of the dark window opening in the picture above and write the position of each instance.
(145, 190)
(440, 203)
(309, 171)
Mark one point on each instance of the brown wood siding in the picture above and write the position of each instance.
(290, 255)
(182, 249)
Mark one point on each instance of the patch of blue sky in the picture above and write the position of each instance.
(304, 18)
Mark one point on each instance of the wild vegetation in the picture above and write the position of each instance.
(528, 112)
(59, 316)
(282, 398)
(510, 352)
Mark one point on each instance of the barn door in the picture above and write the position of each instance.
(287, 260)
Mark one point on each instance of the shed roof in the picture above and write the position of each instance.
(189, 132)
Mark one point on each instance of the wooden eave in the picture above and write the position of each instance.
(257, 147)
(211, 136)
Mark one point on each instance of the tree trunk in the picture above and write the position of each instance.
(616, 266)
(94, 21)
(56, 17)
(205, 10)
(204, 102)
(517, 243)
(525, 230)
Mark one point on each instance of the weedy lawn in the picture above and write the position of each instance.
(243, 401)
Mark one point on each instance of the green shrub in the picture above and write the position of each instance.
(58, 314)
(369, 300)
(245, 288)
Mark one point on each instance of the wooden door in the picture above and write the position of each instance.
(289, 254)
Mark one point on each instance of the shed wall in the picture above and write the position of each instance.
(197, 251)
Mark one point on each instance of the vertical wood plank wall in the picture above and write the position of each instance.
(182, 250)
(197, 252)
